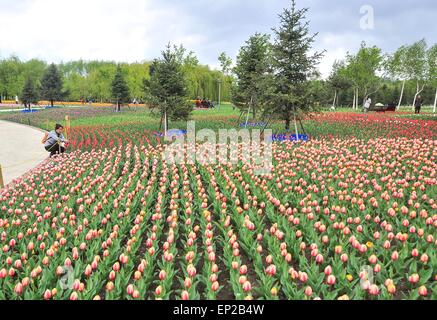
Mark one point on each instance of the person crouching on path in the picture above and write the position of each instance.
(55, 142)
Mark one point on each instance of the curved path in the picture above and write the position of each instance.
(20, 149)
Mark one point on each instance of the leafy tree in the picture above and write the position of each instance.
(11, 77)
(338, 80)
(362, 70)
(293, 65)
(415, 66)
(29, 94)
(395, 67)
(225, 63)
(432, 65)
(166, 90)
(252, 69)
(51, 85)
(120, 90)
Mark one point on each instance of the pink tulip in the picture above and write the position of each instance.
(330, 280)
(373, 290)
(424, 258)
(74, 296)
(414, 278)
(243, 269)
(308, 291)
(162, 275)
(187, 283)
(18, 289)
(158, 290)
(185, 295)
(247, 286)
(215, 286)
(423, 291)
(271, 270)
(47, 295)
(328, 270)
(130, 289)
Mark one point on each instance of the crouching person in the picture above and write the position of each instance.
(55, 141)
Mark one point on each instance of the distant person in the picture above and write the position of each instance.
(198, 102)
(418, 105)
(54, 141)
(367, 104)
(16, 100)
(203, 103)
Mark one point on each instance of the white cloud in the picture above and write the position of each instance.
(135, 30)
(56, 30)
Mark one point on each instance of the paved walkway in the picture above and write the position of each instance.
(20, 149)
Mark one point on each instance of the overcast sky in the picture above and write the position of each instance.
(136, 30)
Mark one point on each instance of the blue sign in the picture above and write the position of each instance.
(253, 124)
(29, 111)
(289, 137)
(170, 133)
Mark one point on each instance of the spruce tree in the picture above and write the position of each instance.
(167, 88)
(120, 89)
(51, 85)
(293, 66)
(29, 94)
(253, 65)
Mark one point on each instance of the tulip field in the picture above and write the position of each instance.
(350, 214)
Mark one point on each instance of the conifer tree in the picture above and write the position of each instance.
(120, 89)
(29, 94)
(293, 66)
(167, 88)
(51, 85)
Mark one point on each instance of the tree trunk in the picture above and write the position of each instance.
(165, 122)
(248, 111)
(287, 123)
(335, 98)
(51, 102)
(295, 127)
(402, 95)
(160, 121)
(353, 103)
(356, 101)
(418, 91)
(435, 102)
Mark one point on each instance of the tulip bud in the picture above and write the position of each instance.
(247, 286)
(308, 291)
